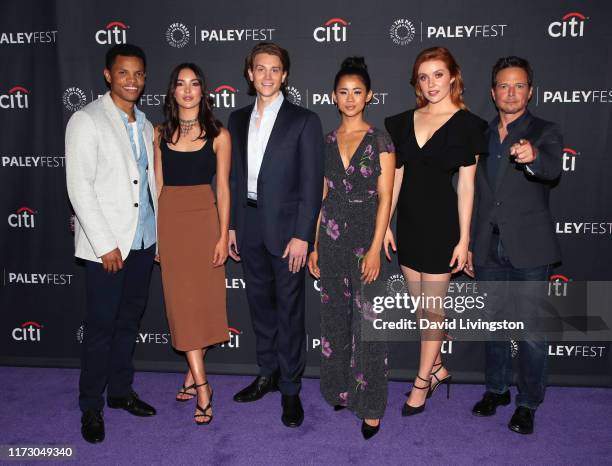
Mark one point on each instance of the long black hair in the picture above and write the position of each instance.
(209, 125)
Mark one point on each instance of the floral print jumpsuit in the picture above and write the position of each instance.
(353, 372)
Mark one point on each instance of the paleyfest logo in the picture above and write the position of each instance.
(333, 30)
(571, 25)
(113, 33)
(177, 35)
(16, 97)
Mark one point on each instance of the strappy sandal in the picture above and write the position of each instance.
(408, 410)
(447, 380)
(207, 417)
(184, 391)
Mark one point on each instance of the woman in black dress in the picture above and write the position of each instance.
(434, 140)
(359, 169)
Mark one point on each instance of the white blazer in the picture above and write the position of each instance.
(102, 179)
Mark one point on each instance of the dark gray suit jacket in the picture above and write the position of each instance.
(518, 202)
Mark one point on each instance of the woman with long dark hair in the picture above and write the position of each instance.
(359, 169)
(191, 147)
(434, 141)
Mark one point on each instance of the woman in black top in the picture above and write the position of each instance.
(193, 226)
(433, 141)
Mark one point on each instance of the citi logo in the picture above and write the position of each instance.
(334, 30)
(234, 338)
(557, 285)
(224, 96)
(22, 218)
(571, 25)
(113, 33)
(569, 159)
(28, 331)
(17, 97)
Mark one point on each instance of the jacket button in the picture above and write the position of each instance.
(135, 204)
(498, 203)
(135, 181)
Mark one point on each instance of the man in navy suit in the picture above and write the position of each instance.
(277, 185)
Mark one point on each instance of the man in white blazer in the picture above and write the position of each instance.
(111, 185)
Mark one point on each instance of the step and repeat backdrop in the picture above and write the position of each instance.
(52, 57)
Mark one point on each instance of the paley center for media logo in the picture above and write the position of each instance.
(571, 25)
(333, 30)
(293, 95)
(326, 98)
(16, 97)
(28, 331)
(113, 33)
(403, 31)
(22, 218)
(74, 99)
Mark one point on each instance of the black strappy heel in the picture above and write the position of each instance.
(446, 380)
(408, 410)
(207, 417)
(183, 391)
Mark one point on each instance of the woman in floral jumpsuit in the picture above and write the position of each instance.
(359, 170)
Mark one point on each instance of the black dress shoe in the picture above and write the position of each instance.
(522, 420)
(92, 426)
(132, 404)
(369, 431)
(293, 413)
(489, 403)
(257, 389)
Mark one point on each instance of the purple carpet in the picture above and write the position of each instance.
(39, 407)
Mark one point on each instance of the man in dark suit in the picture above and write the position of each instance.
(277, 185)
(513, 237)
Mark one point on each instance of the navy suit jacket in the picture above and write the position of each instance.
(290, 182)
(518, 202)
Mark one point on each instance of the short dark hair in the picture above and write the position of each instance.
(271, 49)
(511, 62)
(125, 50)
(354, 66)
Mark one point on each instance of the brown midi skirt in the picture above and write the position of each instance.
(194, 290)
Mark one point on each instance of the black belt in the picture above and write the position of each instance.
(252, 203)
(495, 229)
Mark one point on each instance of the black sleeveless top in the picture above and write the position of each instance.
(188, 168)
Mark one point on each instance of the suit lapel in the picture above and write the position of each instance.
(278, 131)
(243, 135)
(121, 134)
(517, 133)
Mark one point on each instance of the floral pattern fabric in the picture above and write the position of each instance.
(353, 372)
